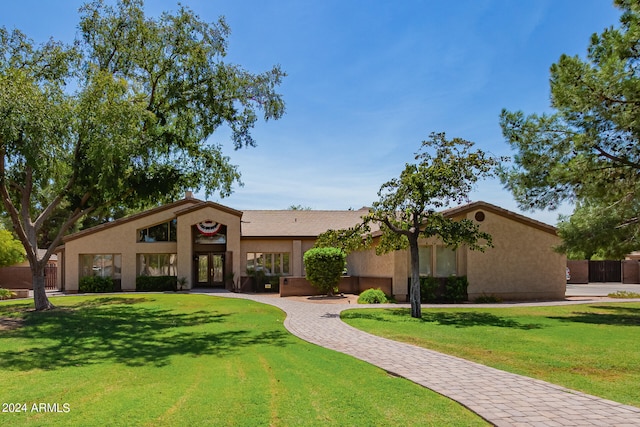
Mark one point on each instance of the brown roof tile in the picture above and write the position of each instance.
(297, 223)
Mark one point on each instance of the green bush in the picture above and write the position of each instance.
(156, 283)
(440, 290)
(373, 296)
(96, 284)
(456, 289)
(487, 299)
(324, 267)
(5, 294)
(429, 289)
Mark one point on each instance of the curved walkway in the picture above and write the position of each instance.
(502, 398)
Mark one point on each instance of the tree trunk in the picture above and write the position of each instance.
(40, 299)
(414, 292)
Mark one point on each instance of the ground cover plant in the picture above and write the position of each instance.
(176, 359)
(593, 348)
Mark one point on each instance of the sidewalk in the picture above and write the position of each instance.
(502, 398)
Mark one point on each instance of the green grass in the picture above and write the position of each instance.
(593, 348)
(172, 359)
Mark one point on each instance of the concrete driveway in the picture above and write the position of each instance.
(599, 289)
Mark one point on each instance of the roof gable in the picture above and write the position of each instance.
(169, 207)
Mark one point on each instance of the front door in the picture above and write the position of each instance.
(209, 269)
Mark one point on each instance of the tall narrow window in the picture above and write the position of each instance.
(445, 261)
(424, 253)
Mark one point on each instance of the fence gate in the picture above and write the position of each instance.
(605, 271)
(50, 277)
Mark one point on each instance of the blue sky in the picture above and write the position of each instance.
(369, 80)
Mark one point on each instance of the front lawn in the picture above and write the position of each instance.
(172, 359)
(594, 348)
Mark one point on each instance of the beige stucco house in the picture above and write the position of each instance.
(209, 244)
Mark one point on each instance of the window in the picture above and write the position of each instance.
(157, 265)
(424, 253)
(445, 261)
(165, 232)
(102, 265)
(270, 263)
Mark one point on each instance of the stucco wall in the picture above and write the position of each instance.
(122, 239)
(521, 266)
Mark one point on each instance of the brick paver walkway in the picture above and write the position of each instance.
(502, 398)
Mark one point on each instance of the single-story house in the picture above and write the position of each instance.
(209, 244)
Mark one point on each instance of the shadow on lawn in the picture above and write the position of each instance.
(613, 315)
(458, 319)
(119, 330)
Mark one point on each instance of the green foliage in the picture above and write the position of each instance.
(96, 284)
(407, 209)
(487, 299)
(148, 93)
(456, 289)
(624, 295)
(349, 240)
(452, 289)
(156, 283)
(11, 250)
(373, 296)
(588, 150)
(324, 267)
(5, 294)
(429, 289)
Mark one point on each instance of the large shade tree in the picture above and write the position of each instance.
(123, 117)
(587, 151)
(410, 207)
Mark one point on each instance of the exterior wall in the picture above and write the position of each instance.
(122, 239)
(16, 277)
(521, 266)
(299, 286)
(185, 239)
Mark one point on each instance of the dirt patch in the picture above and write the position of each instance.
(8, 324)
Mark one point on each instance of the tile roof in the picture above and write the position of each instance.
(296, 223)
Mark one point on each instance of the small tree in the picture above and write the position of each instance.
(324, 267)
(11, 250)
(408, 205)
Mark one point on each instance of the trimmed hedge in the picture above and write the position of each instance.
(452, 289)
(372, 296)
(156, 283)
(324, 267)
(96, 284)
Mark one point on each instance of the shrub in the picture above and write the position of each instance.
(373, 296)
(487, 299)
(324, 267)
(5, 294)
(456, 289)
(443, 290)
(156, 283)
(624, 294)
(429, 289)
(96, 284)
